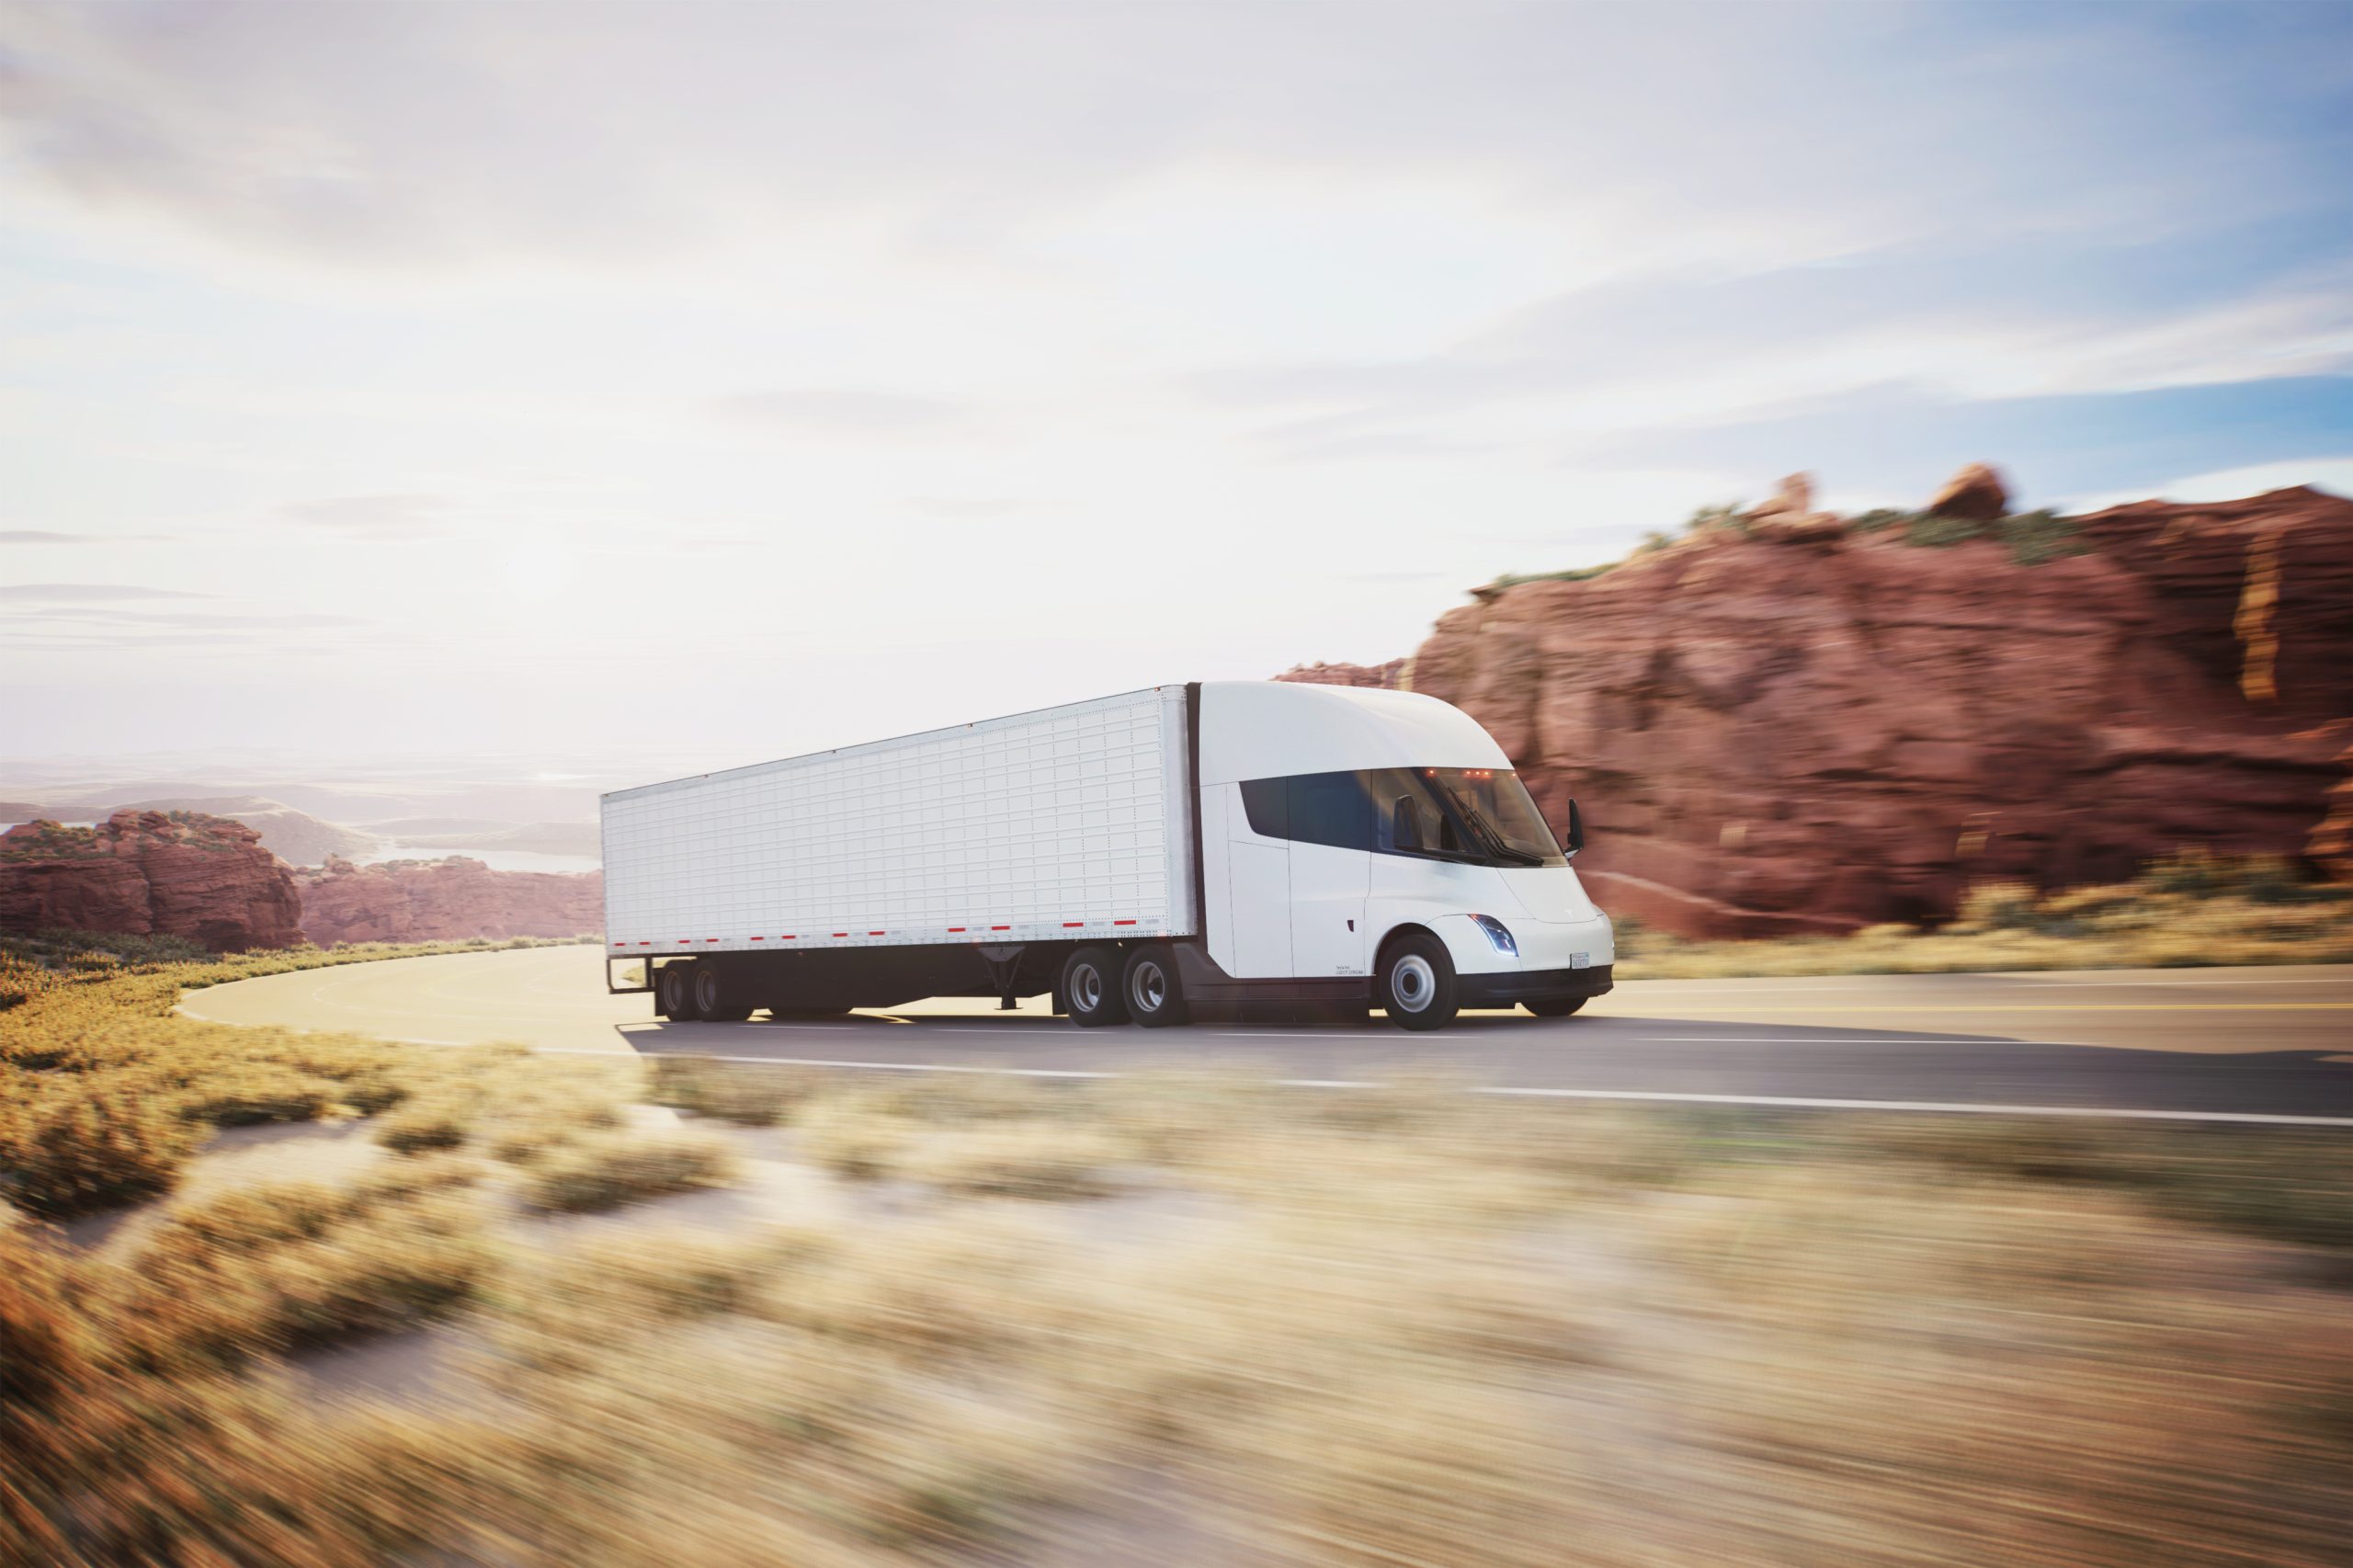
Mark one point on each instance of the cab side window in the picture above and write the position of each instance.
(1331, 808)
(1266, 802)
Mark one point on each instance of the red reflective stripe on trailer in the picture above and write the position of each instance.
(789, 937)
(760, 938)
(1123, 922)
(710, 938)
(841, 933)
(1000, 927)
(645, 944)
(877, 933)
(1068, 924)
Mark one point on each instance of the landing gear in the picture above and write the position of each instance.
(1154, 999)
(1416, 983)
(1091, 987)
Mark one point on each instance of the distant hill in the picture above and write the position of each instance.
(296, 837)
(580, 839)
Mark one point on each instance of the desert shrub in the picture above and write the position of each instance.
(604, 1170)
(1927, 531)
(752, 1092)
(73, 1143)
(1014, 1159)
(2037, 537)
(2188, 909)
(419, 1128)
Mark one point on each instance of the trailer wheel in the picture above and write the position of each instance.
(713, 1003)
(1153, 997)
(1555, 1007)
(1417, 984)
(674, 993)
(1091, 978)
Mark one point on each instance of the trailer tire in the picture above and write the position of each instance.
(1154, 999)
(1091, 987)
(1555, 1007)
(1416, 986)
(673, 992)
(714, 999)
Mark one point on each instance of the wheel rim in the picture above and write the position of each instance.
(673, 991)
(1148, 987)
(1086, 988)
(706, 991)
(1412, 983)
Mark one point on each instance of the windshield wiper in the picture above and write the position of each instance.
(1489, 834)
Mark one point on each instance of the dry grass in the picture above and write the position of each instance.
(2187, 912)
(1410, 1327)
(1200, 1319)
(105, 1092)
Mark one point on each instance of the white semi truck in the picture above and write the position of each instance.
(1221, 849)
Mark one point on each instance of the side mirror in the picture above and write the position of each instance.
(1405, 826)
(1572, 831)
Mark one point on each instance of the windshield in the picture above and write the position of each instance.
(1453, 813)
(1502, 818)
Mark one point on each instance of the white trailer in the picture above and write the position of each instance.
(1202, 850)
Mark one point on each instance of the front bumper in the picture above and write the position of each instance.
(1511, 987)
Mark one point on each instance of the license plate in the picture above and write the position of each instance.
(1580, 961)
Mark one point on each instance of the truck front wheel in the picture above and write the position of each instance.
(1154, 999)
(1091, 980)
(1417, 984)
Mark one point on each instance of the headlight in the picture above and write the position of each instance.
(1497, 933)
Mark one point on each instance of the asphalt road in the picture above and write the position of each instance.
(2255, 1044)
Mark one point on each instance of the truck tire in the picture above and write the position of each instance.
(1155, 1000)
(1416, 987)
(1555, 1007)
(713, 1001)
(1091, 984)
(673, 992)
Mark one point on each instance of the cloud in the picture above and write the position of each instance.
(74, 592)
(393, 135)
(1903, 441)
(48, 536)
(844, 412)
(976, 508)
(372, 517)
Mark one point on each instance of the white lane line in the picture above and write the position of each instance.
(1646, 1096)
(1842, 1040)
(1879, 982)
(1972, 1107)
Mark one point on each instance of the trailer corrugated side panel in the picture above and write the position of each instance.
(1067, 822)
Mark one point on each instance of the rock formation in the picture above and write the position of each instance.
(1816, 729)
(150, 873)
(1976, 492)
(451, 900)
(1380, 675)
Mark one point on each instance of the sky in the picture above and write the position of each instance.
(731, 380)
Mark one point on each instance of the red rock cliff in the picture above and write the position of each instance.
(150, 873)
(1811, 726)
(444, 901)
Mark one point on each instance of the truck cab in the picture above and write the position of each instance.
(1366, 844)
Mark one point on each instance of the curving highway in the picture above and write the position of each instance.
(2253, 1045)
